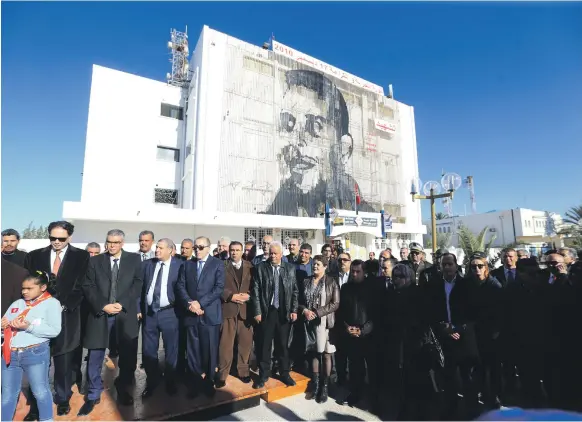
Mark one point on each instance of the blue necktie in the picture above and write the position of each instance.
(200, 265)
(158, 290)
(276, 293)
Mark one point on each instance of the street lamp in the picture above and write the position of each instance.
(449, 182)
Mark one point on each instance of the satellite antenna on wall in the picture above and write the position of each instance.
(178, 46)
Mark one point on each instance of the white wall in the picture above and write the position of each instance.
(123, 131)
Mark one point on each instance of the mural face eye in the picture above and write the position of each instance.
(287, 121)
(314, 125)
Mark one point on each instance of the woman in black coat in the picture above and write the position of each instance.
(487, 301)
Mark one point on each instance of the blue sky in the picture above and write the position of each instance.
(497, 87)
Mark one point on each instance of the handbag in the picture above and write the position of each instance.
(432, 351)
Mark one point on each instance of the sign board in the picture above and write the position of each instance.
(347, 221)
(325, 68)
(384, 126)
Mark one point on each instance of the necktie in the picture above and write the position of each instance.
(158, 290)
(510, 277)
(276, 293)
(57, 263)
(144, 257)
(200, 266)
(114, 274)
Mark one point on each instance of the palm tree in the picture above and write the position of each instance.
(470, 243)
(443, 240)
(573, 225)
(441, 216)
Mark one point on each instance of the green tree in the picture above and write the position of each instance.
(443, 240)
(572, 225)
(441, 216)
(32, 232)
(470, 243)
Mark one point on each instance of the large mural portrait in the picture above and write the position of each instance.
(314, 122)
(294, 138)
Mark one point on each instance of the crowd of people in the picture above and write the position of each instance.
(425, 337)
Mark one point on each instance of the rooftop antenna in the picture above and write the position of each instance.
(471, 188)
(178, 46)
(390, 92)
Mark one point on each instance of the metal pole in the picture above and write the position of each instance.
(433, 220)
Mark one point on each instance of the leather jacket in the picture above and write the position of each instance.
(332, 300)
(262, 289)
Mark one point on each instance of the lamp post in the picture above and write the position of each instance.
(450, 182)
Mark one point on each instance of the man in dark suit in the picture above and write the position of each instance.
(10, 252)
(199, 289)
(69, 265)
(274, 303)
(12, 277)
(507, 273)
(111, 287)
(235, 326)
(159, 315)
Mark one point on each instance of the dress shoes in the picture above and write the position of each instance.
(260, 383)
(148, 391)
(246, 380)
(123, 397)
(63, 409)
(287, 380)
(88, 407)
(208, 389)
(219, 384)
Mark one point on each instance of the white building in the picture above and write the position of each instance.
(257, 144)
(519, 226)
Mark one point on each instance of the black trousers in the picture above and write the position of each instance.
(274, 327)
(361, 354)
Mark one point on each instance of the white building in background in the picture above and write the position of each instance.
(257, 144)
(519, 226)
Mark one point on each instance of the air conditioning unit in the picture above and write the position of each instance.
(492, 229)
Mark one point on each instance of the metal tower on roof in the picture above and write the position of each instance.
(178, 46)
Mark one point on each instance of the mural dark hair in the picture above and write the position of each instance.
(11, 232)
(65, 225)
(320, 258)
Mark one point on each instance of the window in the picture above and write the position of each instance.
(168, 154)
(166, 196)
(175, 112)
(256, 235)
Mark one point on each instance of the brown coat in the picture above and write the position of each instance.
(332, 294)
(233, 285)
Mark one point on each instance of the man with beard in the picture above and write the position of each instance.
(10, 252)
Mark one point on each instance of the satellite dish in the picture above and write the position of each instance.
(451, 181)
(431, 184)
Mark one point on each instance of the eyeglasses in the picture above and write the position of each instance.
(553, 263)
(60, 239)
(475, 266)
(344, 260)
(200, 247)
(110, 242)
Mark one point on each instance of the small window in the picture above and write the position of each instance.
(166, 196)
(175, 112)
(168, 154)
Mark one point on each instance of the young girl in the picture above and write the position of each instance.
(28, 325)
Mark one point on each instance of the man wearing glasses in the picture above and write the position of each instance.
(417, 263)
(199, 290)
(69, 265)
(112, 284)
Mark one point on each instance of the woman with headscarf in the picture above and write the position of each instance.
(407, 332)
(487, 302)
(318, 300)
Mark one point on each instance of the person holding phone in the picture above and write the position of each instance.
(28, 325)
(235, 328)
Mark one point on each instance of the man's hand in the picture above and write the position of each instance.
(562, 269)
(258, 319)
(455, 336)
(111, 309)
(139, 316)
(354, 331)
(239, 298)
(194, 306)
(245, 297)
(199, 312)
(5, 322)
(19, 324)
(293, 316)
(118, 306)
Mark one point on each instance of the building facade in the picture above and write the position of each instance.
(519, 226)
(258, 143)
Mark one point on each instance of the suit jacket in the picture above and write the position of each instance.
(18, 257)
(67, 290)
(232, 285)
(263, 289)
(12, 277)
(207, 290)
(149, 268)
(499, 274)
(96, 287)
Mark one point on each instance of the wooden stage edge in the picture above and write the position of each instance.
(235, 396)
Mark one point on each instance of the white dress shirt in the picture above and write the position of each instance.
(146, 255)
(237, 264)
(343, 278)
(111, 258)
(448, 290)
(164, 301)
(61, 255)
